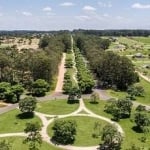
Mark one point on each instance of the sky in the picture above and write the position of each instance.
(74, 14)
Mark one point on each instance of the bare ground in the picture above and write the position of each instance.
(61, 73)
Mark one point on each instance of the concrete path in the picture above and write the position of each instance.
(82, 107)
(144, 77)
(103, 94)
(12, 134)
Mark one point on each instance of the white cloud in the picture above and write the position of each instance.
(25, 13)
(140, 6)
(67, 4)
(109, 5)
(89, 8)
(82, 17)
(47, 9)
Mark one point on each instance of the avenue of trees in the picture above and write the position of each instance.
(30, 69)
(84, 76)
(111, 70)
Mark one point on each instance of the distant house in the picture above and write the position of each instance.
(147, 66)
(138, 55)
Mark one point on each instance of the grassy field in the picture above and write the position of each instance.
(84, 132)
(117, 94)
(10, 122)
(97, 108)
(131, 137)
(145, 40)
(17, 144)
(130, 46)
(144, 100)
(56, 107)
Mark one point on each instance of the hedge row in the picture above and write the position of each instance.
(85, 78)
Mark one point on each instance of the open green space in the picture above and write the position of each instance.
(97, 108)
(145, 40)
(130, 45)
(142, 99)
(146, 98)
(56, 107)
(17, 144)
(85, 128)
(116, 94)
(131, 137)
(11, 123)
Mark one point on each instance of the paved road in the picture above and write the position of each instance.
(54, 96)
(8, 108)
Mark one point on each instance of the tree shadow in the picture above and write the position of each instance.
(72, 101)
(54, 141)
(93, 102)
(137, 129)
(27, 115)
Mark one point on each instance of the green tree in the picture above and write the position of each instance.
(44, 42)
(4, 86)
(140, 108)
(17, 90)
(28, 104)
(4, 63)
(40, 87)
(119, 109)
(64, 131)
(142, 121)
(94, 97)
(34, 138)
(74, 95)
(116, 70)
(134, 91)
(41, 67)
(111, 138)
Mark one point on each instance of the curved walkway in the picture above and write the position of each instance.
(82, 107)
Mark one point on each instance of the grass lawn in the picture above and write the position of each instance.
(10, 123)
(117, 94)
(16, 144)
(146, 98)
(145, 40)
(85, 129)
(131, 137)
(56, 107)
(97, 108)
